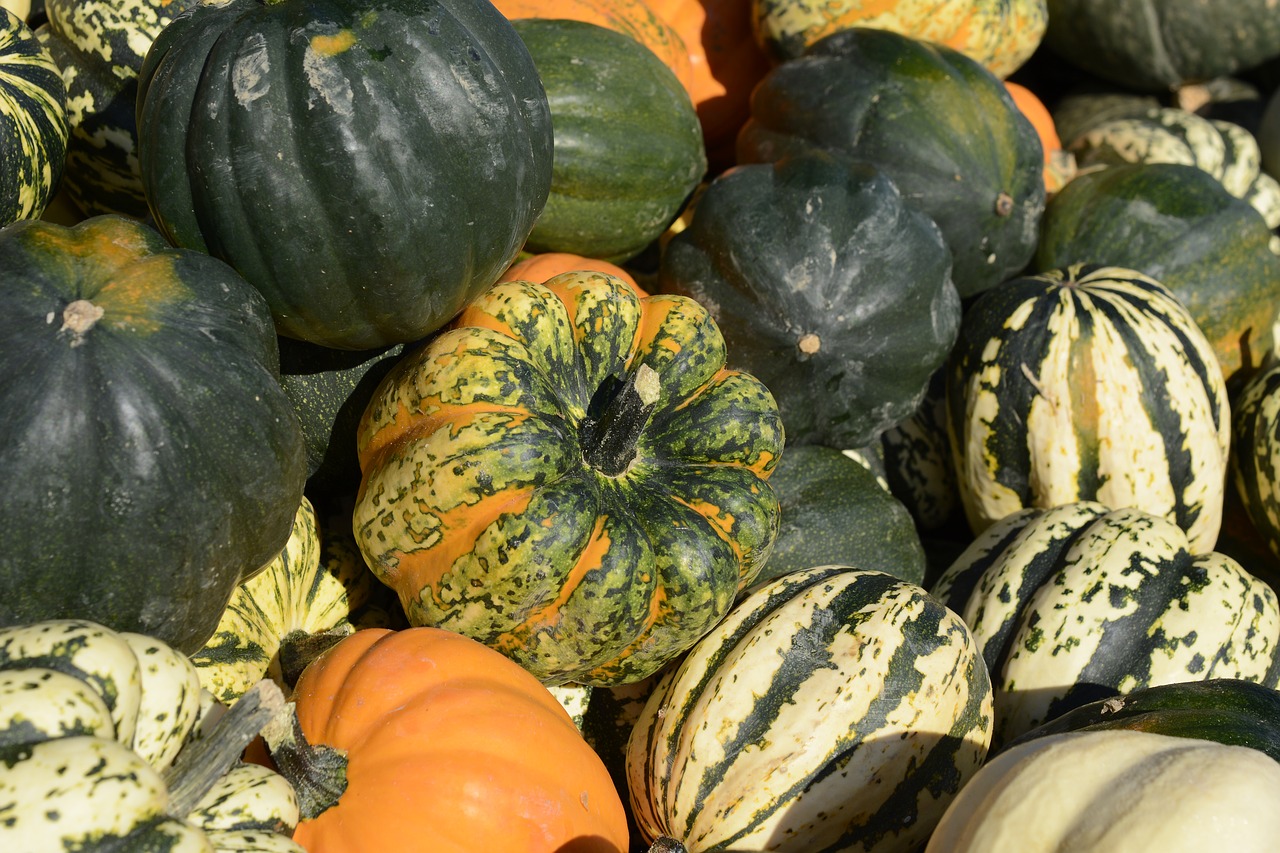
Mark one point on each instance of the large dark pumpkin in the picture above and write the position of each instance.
(369, 165)
(150, 460)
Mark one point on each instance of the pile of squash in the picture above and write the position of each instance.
(637, 426)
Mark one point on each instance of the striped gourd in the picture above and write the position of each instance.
(1227, 151)
(570, 475)
(833, 709)
(1088, 384)
(1255, 453)
(1080, 602)
(108, 742)
(33, 122)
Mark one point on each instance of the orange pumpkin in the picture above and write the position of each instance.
(449, 746)
(545, 265)
(633, 17)
(1059, 165)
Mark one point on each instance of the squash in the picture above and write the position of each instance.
(999, 34)
(1088, 383)
(99, 45)
(33, 122)
(1087, 792)
(1180, 226)
(1148, 47)
(627, 157)
(318, 149)
(1059, 164)
(828, 287)
(938, 124)
(833, 709)
(916, 457)
(144, 415)
(109, 743)
(571, 475)
(509, 771)
(1082, 602)
(1255, 457)
(542, 266)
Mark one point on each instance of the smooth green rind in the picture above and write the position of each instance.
(33, 122)
(370, 167)
(828, 287)
(938, 124)
(628, 144)
(1180, 226)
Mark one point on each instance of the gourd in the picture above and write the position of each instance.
(938, 124)
(1088, 383)
(729, 752)
(1256, 453)
(318, 149)
(1081, 602)
(1112, 791)
(509, 771)
(627, 157)
(571, 475)
(828, 287)
(152, 460)
(33, 122)
(109, 742)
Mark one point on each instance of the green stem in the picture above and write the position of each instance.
(609, 439)
(299, 648)
(318, 773)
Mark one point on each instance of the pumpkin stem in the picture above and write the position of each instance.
(299, 648)
(78, 318)
(318, 773)
(618, 414)
(203, 762)
(666, 844)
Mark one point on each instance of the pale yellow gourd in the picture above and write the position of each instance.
(1116, 792)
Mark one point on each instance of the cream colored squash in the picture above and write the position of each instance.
(1116, 792)
(21, 8)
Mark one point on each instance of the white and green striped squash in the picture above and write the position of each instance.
(1255, 452)
(1088, 383)
(33, 122)
(1080, 602)
(833, 709)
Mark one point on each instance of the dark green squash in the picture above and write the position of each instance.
(827, 286)
(628, 143)
(33, 122)
(941, 126)
(371, 167)
(151, 460)
(1180, 226)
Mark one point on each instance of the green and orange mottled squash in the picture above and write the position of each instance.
(160, 463)
(370, 174)
(33, 122)
(999, 34)
(571, 475)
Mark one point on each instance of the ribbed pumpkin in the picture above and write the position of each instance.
(627, 157)
(571, 475)
(999, 34)
(152, 460)
(938, 124)
(441, 745)
(99, 46)
(1081, 602)
(829, 288)
(369, 173)
(1088, 383)
(33, 122)
(834, 709)
(1179, 225)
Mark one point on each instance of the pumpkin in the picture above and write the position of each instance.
(1155, 48)
(1082, 602)
(729, 754)
(999, 34)
(542, 266)
(571, 475)
(99, 45)
(1082, 792)
(33, 122)
(1180, 226)
(1088, 383)
(627, 157)
(938, 124)
(318, 149)
(108, 742)
(144, 413)
(509, 771)
(807, 265)
(1059, 165)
